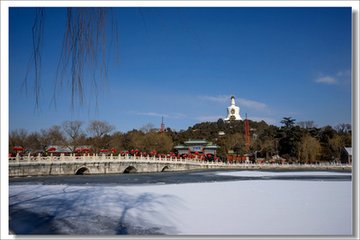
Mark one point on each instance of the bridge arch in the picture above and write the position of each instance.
(82, 171)
(130, 169)
(164, 169)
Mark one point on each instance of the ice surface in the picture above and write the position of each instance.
(282, 173)
(276, 207)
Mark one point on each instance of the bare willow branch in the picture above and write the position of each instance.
(82, 63)
(79, 45)
(35, 59)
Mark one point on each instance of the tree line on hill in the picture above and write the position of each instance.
(296, 142)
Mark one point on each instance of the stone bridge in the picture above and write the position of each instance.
(72, 165)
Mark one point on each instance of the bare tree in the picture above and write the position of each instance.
(31, 142)
(306, 124)
(52, 136)
(343, 128)
(148, 128)
(34, 142)
(99, 130)
(18, 138)
(75, 133)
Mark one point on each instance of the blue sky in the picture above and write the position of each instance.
(185, 63)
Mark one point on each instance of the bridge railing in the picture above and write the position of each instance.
(72, 157)
(76, 158)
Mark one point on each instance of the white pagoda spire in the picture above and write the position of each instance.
(233, 111)
(232, 101)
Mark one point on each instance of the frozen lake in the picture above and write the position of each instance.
(192, 203)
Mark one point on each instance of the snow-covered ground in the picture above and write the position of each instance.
(256, 207)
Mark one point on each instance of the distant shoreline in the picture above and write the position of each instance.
(286, 167)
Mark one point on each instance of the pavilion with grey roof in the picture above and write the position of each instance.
(197, 146)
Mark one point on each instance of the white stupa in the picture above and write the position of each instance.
(233, 111)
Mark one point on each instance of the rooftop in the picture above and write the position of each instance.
(349, 150)
(196, 142)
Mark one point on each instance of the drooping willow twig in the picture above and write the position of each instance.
(84, 51)
(35, 59)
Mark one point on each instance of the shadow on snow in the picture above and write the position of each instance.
(90, 211)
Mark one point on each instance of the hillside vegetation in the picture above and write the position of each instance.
(301, 141)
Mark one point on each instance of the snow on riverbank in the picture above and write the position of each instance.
(257, 207)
